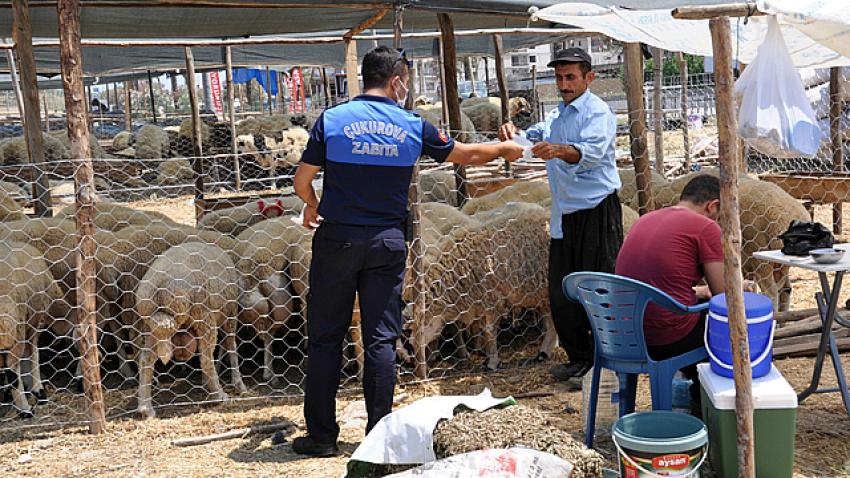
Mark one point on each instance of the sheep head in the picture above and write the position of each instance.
(163, 327)
(519, 107)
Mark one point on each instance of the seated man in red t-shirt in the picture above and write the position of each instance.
(674, 249)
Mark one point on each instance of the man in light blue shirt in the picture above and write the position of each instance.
(577, 141)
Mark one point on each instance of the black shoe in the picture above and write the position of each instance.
(307, 446)
(563, 372)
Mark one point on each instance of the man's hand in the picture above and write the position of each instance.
(702, 292)
(546, 150)
(311, 217)
(507, 131)
(511, 151)
(749, 286)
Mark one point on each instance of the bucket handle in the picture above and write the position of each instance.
(754, 363)
(631, 462)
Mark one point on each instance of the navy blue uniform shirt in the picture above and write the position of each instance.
(367, 148)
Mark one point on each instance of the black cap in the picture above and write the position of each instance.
(570, 55)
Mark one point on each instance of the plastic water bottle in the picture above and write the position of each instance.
(608, 401)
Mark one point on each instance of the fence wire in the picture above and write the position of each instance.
(192, 311)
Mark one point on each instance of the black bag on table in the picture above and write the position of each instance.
(802, 237)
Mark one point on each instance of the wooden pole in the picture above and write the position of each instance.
(46, 113)
(444, 111)
(836, 106)
(32, 110)
(326, 87)
(281, 88)
(658, 108)
(686, 140)
(730, 224)
(351, 68)
(153, 98)
(487, 74)
(231, 98)
(533, 94)
(269, 85)
(13, 72)
(502, 81)
(175, 95)
(736, 9)
(70, 53)
(447, 38)
(197, 147)
(637, 125)
(128, 107)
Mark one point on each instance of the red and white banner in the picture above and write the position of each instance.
(215, 86)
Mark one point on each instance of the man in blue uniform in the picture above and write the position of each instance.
(577, 142)
(367, 148)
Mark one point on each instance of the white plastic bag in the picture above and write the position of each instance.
(514, 462)
(775, 116)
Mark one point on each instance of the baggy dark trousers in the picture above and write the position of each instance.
(592, 239)
(368, 261)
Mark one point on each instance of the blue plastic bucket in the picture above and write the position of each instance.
(760, 328)
(660, 444)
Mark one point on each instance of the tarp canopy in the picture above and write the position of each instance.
(658, 28)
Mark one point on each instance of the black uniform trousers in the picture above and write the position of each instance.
(592, 239)
(369, 261)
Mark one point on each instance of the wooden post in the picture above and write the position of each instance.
(88, 97)
(175, 95)
(730, 224)
(128, 107)
(197, 147)
(351, 68)
(70, 54)
(637, 125)
(281, 88)
(447, 38)
(836, 106)
(533, 94)
(13, 73)
(32, 110)
(46, 113)
(269, 85)
(231, 98)
(686, 140)
(444, 111)
(326, 87)
(658, 108)
(153, 99)
(502, 81)
(487, 74)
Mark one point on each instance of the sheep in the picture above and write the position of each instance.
(26, 293)
(123, 140)
(234, 220)
(432, 113)
(421, 100)
(522, 191)
(94, 146)
(187, 131)
(630, 216)
(151, 142)
(16, 192)
(191, 289)
(482, 272)
(114, 217)
(14, 150)
(304, 120)
(293, 144)
(628, 191)
(174, 171)
(438, 185)
(765, 213)
(486, 113)
(265, 125)
(10, 210)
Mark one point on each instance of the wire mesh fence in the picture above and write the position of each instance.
(194, 310)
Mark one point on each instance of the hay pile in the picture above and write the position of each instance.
(510, 426)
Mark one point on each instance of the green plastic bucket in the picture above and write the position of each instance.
(660, 444)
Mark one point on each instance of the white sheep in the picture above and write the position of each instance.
(521, 191)
(438, 185)
(26, 294)
(264, 125)
(234, 220)
(114, 217)
(433, 114)
(10, 210)
(14, 150)
(123, 140)
(628, 191)
(193, 289)
(486, 113)
(151, 142)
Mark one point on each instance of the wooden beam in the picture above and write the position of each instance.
(13, 73)
(836, 106)
(730, 224)
(153, 97)
(686, 140)
(197, 145)
(351, 68)
(452, 102)
(658, 108)
(739, 9)
(70, 54)
(128, 107)
(269, 85)
(231, 98)
(204, 4)
(326, 87)
(32, 109)
(502, 81)
(366, 24)
(637, 125)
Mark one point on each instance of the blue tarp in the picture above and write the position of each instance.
(244, 75)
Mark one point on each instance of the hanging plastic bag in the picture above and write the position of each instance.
(775, 116)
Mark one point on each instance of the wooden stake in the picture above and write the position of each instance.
(269, 85)
(13, 72)
(32, 110)
(739, 9)
(502, 81)
(637, 125)
(444, 108)
(46, 113)
(68, 13)
(730, 224)
(175, 95)
(128, 107)
(487, 74)
(836, 106)
(452, 103)
(326, 87)
(686, 141)
(351, 68)
(231, 98)
(658, 109)
(287, 426)
(153, 98)
(197, 146)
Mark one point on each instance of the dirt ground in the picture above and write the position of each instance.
(133, 447)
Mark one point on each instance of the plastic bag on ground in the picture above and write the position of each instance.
(514, 462)
(775, 116)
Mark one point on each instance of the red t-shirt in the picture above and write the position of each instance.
(667, 248)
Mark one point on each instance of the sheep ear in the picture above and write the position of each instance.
(261, 206)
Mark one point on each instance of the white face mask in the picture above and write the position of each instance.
(401, 101)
